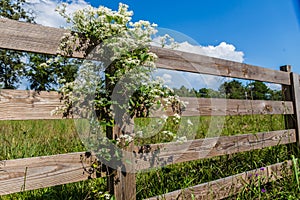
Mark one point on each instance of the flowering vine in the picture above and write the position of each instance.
(114, 84)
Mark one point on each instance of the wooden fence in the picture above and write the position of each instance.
(59, 169)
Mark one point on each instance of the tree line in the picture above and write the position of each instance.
(234, 89)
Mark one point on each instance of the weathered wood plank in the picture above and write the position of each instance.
(189, 62)
(39, 39)
(222, 107)
(296, 101)
(292, 93)
(30, 37)
(60, 169)
(26, 104)
(228, 186)
(123, 178)
(41, 172)
(170, 153)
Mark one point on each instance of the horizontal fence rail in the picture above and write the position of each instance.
(40, 39)
(189, 62)
(45, 171)
(30, 37)
(231, 185)
(171, 153)
(27, 104)
(223, 107)
(40, 172)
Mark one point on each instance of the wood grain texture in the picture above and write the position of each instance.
(39, 39)
(296, 101)
(41, 172)
(228, 186)
(46, 171)
(170, 153)
(292, 93)
(26, 104)
(30, 37)
(189, 62)
(222, 107)
(125, 178)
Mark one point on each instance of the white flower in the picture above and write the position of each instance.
(127, 138)
(169, 133)
(177, 116)
(107, 196)
(139, 133)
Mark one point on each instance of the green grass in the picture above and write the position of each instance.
(207, 127)
(22, 139)
(185, 175)
(90, 189)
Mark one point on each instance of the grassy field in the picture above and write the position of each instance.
(22, 139)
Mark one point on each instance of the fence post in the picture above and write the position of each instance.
(292, 93)
(124, 180)
(120, 182)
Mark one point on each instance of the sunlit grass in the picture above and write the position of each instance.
(204, 126)
(21, 139)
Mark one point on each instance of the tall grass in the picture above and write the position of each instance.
(21, 139)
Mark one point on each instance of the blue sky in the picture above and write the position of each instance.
(267, 31)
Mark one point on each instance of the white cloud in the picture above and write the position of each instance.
(167, 78)
(273, 86)
(223, 50)
(194, 80)
(176, 79)
(46, 14)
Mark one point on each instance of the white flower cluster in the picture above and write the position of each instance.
(122, 48)
(176, 118)
(167, 40)
(112, 29)
(107, 196)
(124, 139)
(175, 137)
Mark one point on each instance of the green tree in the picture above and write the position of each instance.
(258, 90)
(13, 9)
(184, 92)
(233, 89)
(16, 66)
(276, 95)
(208, 93)
(42, 76)
(12, 67)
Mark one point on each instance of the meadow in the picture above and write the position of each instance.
(21, 139)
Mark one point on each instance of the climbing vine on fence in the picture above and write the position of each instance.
(118, 84)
